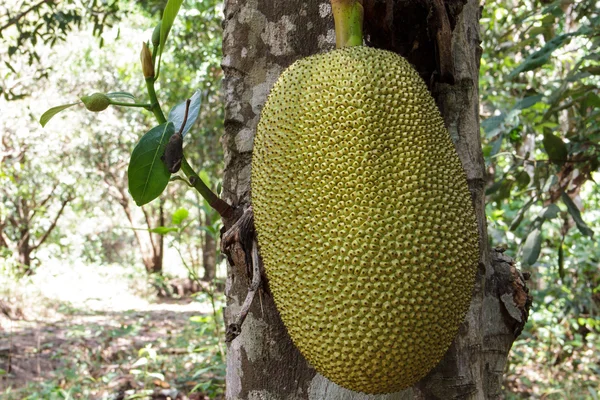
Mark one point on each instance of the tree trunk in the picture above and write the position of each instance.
(24, 251)
(209, 252)
(152, 253)
(261, 38)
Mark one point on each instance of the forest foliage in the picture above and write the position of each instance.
(64, 188)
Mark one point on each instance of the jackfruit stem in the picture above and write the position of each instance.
(348, 18)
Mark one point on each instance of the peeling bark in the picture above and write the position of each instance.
(261, 38)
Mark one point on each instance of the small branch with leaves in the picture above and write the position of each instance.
(160, 151)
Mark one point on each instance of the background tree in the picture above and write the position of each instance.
(34, 190)
(25, 24)
(540, 85)
(33, 197)
(261, 39)
(109, 158)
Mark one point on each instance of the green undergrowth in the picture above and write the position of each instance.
(60, 349)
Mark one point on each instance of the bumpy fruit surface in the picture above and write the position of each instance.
(364, 218)
(96, 102)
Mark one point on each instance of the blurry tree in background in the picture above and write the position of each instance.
(108, 154)
(105, 140)
(540, 86)
(25, 25)
(33, 197)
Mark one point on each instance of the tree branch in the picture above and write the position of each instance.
(12, 21)
(148, 223)
(53, 225)
(43, 203)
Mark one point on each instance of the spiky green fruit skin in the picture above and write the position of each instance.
(364, 218)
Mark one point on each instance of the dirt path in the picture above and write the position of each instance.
(106, 350)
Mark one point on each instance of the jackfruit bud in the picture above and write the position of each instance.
(146, 60)
(96, 102)
(156, 36)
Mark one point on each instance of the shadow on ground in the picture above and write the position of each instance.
(95, 353)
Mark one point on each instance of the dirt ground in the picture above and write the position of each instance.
(101, 347)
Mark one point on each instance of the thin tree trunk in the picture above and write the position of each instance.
(24, 251)
(150, 258)
(261, 38)
(209, 252)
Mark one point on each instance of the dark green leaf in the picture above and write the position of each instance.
(592, 100)
(148, 175)
(523, 179)
(497, 145)
(494, 188)
(504, 190)
(492, 124)
(555, 147)
(532, 247)
(10, 67)
(47, 116)
(179, 215)
(561, 261)
(541, 56)
(171, 10)
(576, 214)
(519, 217)
(593, 70)
(527, 102)
(550, 212)
(177, 113)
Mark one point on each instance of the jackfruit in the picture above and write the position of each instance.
(364, 218)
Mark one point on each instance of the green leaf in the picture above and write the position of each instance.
(148, 175)
(504, 189)
(550, 212)
(117, 95)
(592, 100)
(163, 230)
(555, 147)
(177, 113)
(519, 217)
(47, 116)
(540, 57)
(576, 214)
(561, 261)
(523, 179)
(179, 215)
(169, 14)
(492, 126)
(527, 102)
(532, 247)
(593, 392)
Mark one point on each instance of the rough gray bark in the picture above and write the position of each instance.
(261, 38)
